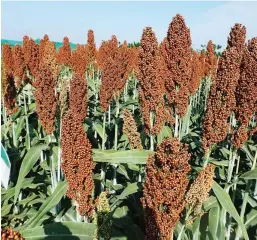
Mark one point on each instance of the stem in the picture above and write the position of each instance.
(180, 128)
(134, 93)
(183, 226)
(125, 91)
(189, 114)
(116, 125)
(29, 95)
(233, 199)
(5, 122)
(27, 120)
(103, 140)
(176, 126)
(52, 167)
(231, 164)
(102, 176)
(59, 154)
(109, 114)
(207, 158)
(14, 135)
(41, 153)
(96, 99)
(114, 181)
(151, 136)
(181, 232)
(245, 200)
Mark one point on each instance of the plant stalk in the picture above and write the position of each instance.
(26, 119)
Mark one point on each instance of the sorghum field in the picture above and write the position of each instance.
(156, 141)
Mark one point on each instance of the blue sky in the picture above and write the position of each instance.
(206, 20)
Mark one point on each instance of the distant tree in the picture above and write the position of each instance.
(217, 48)
(134, 44)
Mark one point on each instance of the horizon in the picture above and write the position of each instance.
(126, 20)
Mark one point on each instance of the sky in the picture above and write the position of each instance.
(206, 20)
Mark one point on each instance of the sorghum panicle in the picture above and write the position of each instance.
(109, 75)
(121, 61)
(202, 59)
(64, 53)
(49, 58)
(107, 49)
(41, 47)
(133, 60)
(102, 218)
(196, 74)
(130, 129)
(63, 100)
(246, 93)
(151, 82)
(198, 192)
(164, 188)
(91, 48)
(237, 37)
(9, 233)
(19, 68)
(31, 55)
(10, 94)
(78, 97)
(178, 56)
(7, 58)
(45, 97)
(79, 60)
(77, 163)
(114, 75)
(210, 60)
(221, 99)
(7, 82)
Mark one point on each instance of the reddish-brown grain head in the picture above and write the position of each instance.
(91, 45)
(165, 188)
(79, 60)
(211, 60)
(177, 54)
(45, 97)
(152, 76)
(221, 101)
(19, 68)
(64, 53)
(77, 163)
(246, 94)
(78, 97)
(7, 58)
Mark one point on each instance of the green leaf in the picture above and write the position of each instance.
(250, 174)
(219, 163)
(48, 204)
(27, 164)
(214, 216)
(61, 230)
(123, 221)
(127, 156)
(5, 209)
(228, 205)
(195, 228)
(133, 167)
(19, 127)
(122, 170)
(166, 132)
(99, 128)
(251, 218)
(28, 199)
(210, 203)
(130, 189)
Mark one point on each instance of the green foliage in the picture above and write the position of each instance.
(35, 202)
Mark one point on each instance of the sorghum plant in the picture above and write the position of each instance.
(164, 188)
